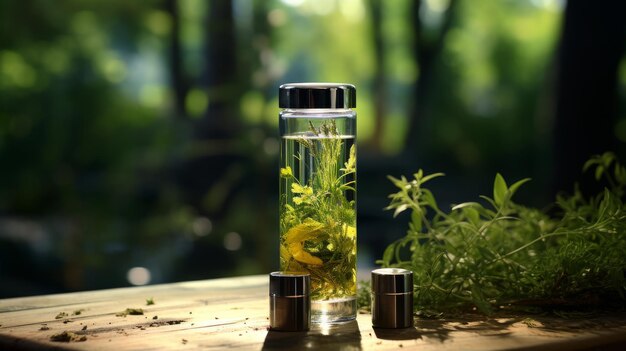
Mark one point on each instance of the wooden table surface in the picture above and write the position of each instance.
(233, 313)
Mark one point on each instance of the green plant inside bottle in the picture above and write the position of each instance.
(318, 209)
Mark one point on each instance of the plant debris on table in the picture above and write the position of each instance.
(66, 336)
(498, 254)
(131, 311)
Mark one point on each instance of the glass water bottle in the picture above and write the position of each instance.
(318, 193)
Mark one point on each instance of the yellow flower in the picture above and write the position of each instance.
(309, 229)
(286, 172)
(300, 255)
(297, 235)
(349, 230)
(296, 188)
(299, 189)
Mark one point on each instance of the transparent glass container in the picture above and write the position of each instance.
(318, 194)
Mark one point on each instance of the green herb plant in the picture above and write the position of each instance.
(498, 254)
(318, 215)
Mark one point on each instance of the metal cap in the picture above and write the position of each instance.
(289, 284)
(392, 298)
(392, 281)
(317, 95)
(290, 301)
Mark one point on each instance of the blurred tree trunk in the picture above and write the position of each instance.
(266, 187)
(380, 83)
(212, 168)
(177, 77)
(221, 75)
(426, 50)
(591, 47)
(261, 42)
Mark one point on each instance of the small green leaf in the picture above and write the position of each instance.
(397, 182)
(466, 204)
(605, 204)
(590, 162)
(400, 209)
(607, 159)
(472, 215)
(419, 174)
(516, 186)
(405, 182)
(388, 255)
(431, 176)
(429, 199)
(599, 171)
(499, 189)
(416, 219)
(489, 200)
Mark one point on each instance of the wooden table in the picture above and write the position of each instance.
(233, 313)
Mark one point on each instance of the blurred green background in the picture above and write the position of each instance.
(139, 139)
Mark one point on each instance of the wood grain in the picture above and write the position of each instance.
(233, 313)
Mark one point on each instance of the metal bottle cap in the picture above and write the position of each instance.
(317, 95)
(290, 301)
(288, 284)
(392, 280)
(392, 298)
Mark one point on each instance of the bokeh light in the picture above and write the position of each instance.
(138, 276)
(232, 241)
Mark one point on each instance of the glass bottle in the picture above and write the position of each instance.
(318, 193)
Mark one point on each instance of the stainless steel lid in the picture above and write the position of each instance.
(392, 281)
(290, 301)
(392, 298)
(317, 95)
(289, 284)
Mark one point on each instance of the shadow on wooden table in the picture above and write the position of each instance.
(344, 336)
(441, 329)
(14, 343)
(397, 334)
(603, 325)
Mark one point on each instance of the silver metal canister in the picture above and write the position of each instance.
(392, 298)
(290, 301)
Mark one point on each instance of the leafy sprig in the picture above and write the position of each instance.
(496, 253)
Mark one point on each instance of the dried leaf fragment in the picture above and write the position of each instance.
(66, 336)
(131, 311)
